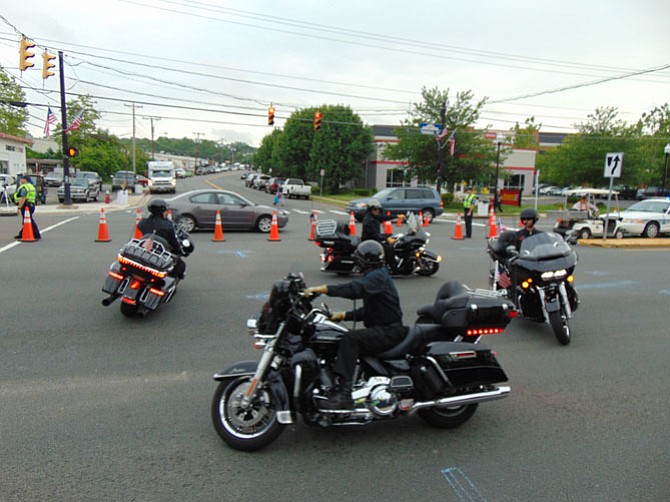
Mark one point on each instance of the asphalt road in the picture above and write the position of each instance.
(99, 407)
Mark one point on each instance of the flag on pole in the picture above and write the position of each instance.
(442, 135)
(76, 124)
(452, 143)
(51, 119)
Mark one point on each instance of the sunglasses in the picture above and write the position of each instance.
(526, 219)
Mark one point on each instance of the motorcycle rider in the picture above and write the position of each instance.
(371, 221)
(381, 315)
(158, 223)
(528, 217)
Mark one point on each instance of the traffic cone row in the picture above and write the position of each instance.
(218, 228)
(27, 234)
(274, 229)
(352, 225)
(388, 229)
(103, 231)
(458, 231)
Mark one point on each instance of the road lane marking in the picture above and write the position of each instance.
(464, 488)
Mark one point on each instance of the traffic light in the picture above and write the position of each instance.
(25, 55)
(47, 64)
(271, 115)
(72, 151)
(317, 120)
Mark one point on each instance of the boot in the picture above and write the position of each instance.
(339, 400)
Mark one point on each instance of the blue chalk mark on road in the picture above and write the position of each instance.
(241, 253)
(464, 488)
(259, 296)
(605, 285)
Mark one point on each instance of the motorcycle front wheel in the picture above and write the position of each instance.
(244, 429)
(426, 267)
(561, 326)
(448, 418)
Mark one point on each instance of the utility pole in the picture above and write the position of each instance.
(440, 151)
(153, 155)
(197, 140)
(133, 142)
(67, 198)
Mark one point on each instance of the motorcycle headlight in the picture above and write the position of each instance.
(555, 274)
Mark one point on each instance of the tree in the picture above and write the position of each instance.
(527, 137)
(13, 113)
(266, 156)
(474, 155)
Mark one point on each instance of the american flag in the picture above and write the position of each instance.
(442, 135)
(452, 143)
(51, 119)
(503, 279)
(76, 124)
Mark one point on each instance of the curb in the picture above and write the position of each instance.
(626, 243)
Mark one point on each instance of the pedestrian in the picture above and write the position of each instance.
(381, 316)
(25, 196)
(497, 202)
(468, 211)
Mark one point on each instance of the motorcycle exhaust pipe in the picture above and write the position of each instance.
(108, 301)
(479, 397)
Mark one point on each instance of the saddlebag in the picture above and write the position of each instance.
(453, 365)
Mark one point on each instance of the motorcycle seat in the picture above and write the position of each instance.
(417, 336)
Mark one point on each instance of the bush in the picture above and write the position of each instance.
(447, 198)
(362, 192)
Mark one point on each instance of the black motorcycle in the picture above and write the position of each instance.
(409, 249)
(427, 373)
(538, 278)
(141, 275)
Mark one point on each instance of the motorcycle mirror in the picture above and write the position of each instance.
(512, 251)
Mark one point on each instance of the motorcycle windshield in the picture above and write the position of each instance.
(546, 251)
(415, 229)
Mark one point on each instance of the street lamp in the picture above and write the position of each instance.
(665, 170)
(500, 139)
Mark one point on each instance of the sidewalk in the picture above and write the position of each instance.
(627, 243)
(133, 201)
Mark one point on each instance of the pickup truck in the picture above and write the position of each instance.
(294, 187)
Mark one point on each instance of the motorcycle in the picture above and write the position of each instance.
(409, 248)
(538, 278)
(141, 274)
(430, 372)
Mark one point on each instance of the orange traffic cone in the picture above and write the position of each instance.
(491, 216)
(493, 227)
(27, 234)
(399, 220)
(218, 228)
(103, 231)
(458, 231)
(138, 232)
(274, 229)
(425, 222)
(388, 229)
(352, 225)
(313, 219)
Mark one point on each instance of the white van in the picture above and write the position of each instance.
(162, 176)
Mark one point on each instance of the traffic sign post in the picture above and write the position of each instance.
(613, 168)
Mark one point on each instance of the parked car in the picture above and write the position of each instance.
(197, 209)
(80, 189)
(274, 183)
(259, 181)
(249, 180)
(295, 187)
(650, 192)
(625, 192)
(7, 188)
(554, 191)
(53, 179)
(180, 172)
(93, 177)
(124, 180)
(402, 200)
(647, 218)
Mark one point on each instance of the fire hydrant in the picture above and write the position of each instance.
(108, 199)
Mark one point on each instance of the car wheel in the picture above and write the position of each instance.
(187, 222)
(584, 233)
(651, 230)
(428, 214)
(264, 223)
(618, 234)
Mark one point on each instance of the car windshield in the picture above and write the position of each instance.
(650, 206)
(383, 194)
(83, 182)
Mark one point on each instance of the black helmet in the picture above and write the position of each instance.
(374, 204)
(369, 254)
(157, 207)
(529, 214)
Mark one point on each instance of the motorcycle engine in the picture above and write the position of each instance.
(377, 396)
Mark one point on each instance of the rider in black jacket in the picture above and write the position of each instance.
(158, 223)
(371, 221)
(381, 315)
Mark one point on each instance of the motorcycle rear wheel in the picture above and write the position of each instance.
(128, 310)
(561, 326)
(448, 418)
(427, 268)
(244, 430)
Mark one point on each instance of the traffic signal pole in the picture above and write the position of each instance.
(67, 198)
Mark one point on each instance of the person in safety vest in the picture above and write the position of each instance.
(468, 211)
(25, 196)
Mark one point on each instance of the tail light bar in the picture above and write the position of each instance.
(125, 261)
(116, 275)
(483, 331)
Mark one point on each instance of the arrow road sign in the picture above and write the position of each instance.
(613, 165)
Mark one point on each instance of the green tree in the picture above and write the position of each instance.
(13, 116)
(266, 155)
(474, 155)
(527, 137)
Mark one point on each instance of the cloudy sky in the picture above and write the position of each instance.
(210, 69)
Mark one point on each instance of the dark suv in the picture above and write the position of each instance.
(124, 180)
(402, 200)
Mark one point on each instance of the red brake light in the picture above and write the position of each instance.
(135, 284)
(116, 275)
(484, 331)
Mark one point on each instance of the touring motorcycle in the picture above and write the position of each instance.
(409, 248)
(432, 372)
(538, 278)
(141, 275)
